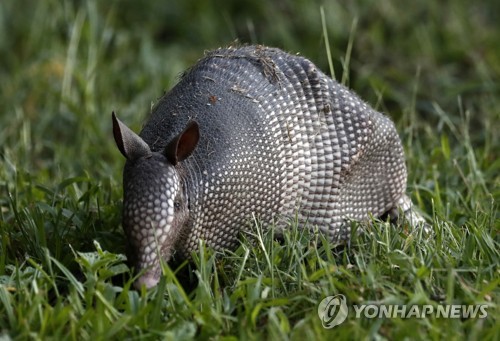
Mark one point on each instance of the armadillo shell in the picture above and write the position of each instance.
(278, 139)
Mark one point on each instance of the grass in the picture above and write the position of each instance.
(64, 66)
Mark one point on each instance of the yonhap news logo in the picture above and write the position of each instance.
(333, 310)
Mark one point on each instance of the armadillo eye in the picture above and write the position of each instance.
(177, 205)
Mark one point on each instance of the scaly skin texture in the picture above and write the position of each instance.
(278, 139)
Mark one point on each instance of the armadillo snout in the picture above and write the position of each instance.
(149, 280)
(151, 213)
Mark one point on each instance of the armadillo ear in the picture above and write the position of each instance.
(131, 145)
(183, 144)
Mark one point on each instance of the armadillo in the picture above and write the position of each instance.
(254, 132)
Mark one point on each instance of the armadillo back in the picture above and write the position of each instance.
(278, 138)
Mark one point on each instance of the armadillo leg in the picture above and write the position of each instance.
(405, 213)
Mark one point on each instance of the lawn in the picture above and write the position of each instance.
(432, 66)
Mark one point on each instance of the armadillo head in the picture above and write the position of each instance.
(155, 201)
